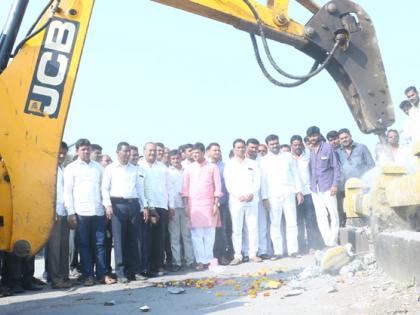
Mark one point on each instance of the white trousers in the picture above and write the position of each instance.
(178, 230)
(264, 239)
(245, 240)
(278, 205)
(244, 212)
(203, 242)
(326, 204)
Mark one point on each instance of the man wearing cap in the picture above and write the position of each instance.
(325, 172)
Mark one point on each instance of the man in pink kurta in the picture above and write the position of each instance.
(201, 191)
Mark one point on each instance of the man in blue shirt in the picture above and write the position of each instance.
(355, 160)
(325, 172)
(223, 246)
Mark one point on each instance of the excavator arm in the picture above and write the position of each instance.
(356, 66)
(37, 80)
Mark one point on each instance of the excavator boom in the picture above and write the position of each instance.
(356, 67)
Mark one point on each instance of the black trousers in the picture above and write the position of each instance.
(309, 236)
(108, 246)
(223, 246)
(17, 270)
(144, 245)
(158, 235)
(125, 228)
(168, 250)
(74, 250)
(58, 251)
(342, 217)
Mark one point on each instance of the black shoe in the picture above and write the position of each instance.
(38, 281)
(276, 257)
(17, 288)
(295, 255)
(245, 259)
(265, 256)
(5, 291)
(32, 287)
(146, 274)
(191, 266)
(224, 261)
(123, 280)
(153, 274)
(136, 277)
(80, 279)
(175, 268)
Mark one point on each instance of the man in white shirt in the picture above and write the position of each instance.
(186, 153)
(95, 152)
(264, 239)
(161, 157)
(122, 194)
(159, 197)
(82, 199)
(411, 133)
(412, 95)
(242, 177)
(178, 223)
(105, 160)
(143, 259)
(58, 244)
(160, 149)
(280, 188)
(392, 151)
(306, 218)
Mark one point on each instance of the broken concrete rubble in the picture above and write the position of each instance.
(309, 272)
(352, 267)
(340, 260)
(369, 259)
(334, 258)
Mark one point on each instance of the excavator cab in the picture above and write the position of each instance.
(37, 77)
(36, 83)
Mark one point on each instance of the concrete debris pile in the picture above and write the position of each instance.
(340, 260)
(334, 258)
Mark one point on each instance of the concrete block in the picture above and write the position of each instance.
(357, 237)
(398, 254)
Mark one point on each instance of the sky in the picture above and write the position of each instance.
(150, 72)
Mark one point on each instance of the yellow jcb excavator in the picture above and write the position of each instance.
(37, 77)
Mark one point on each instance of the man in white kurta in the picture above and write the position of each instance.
(280, 188)
(242, 177)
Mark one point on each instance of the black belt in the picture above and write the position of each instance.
(124, 200)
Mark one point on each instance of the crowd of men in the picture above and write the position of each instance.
(167, 209)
